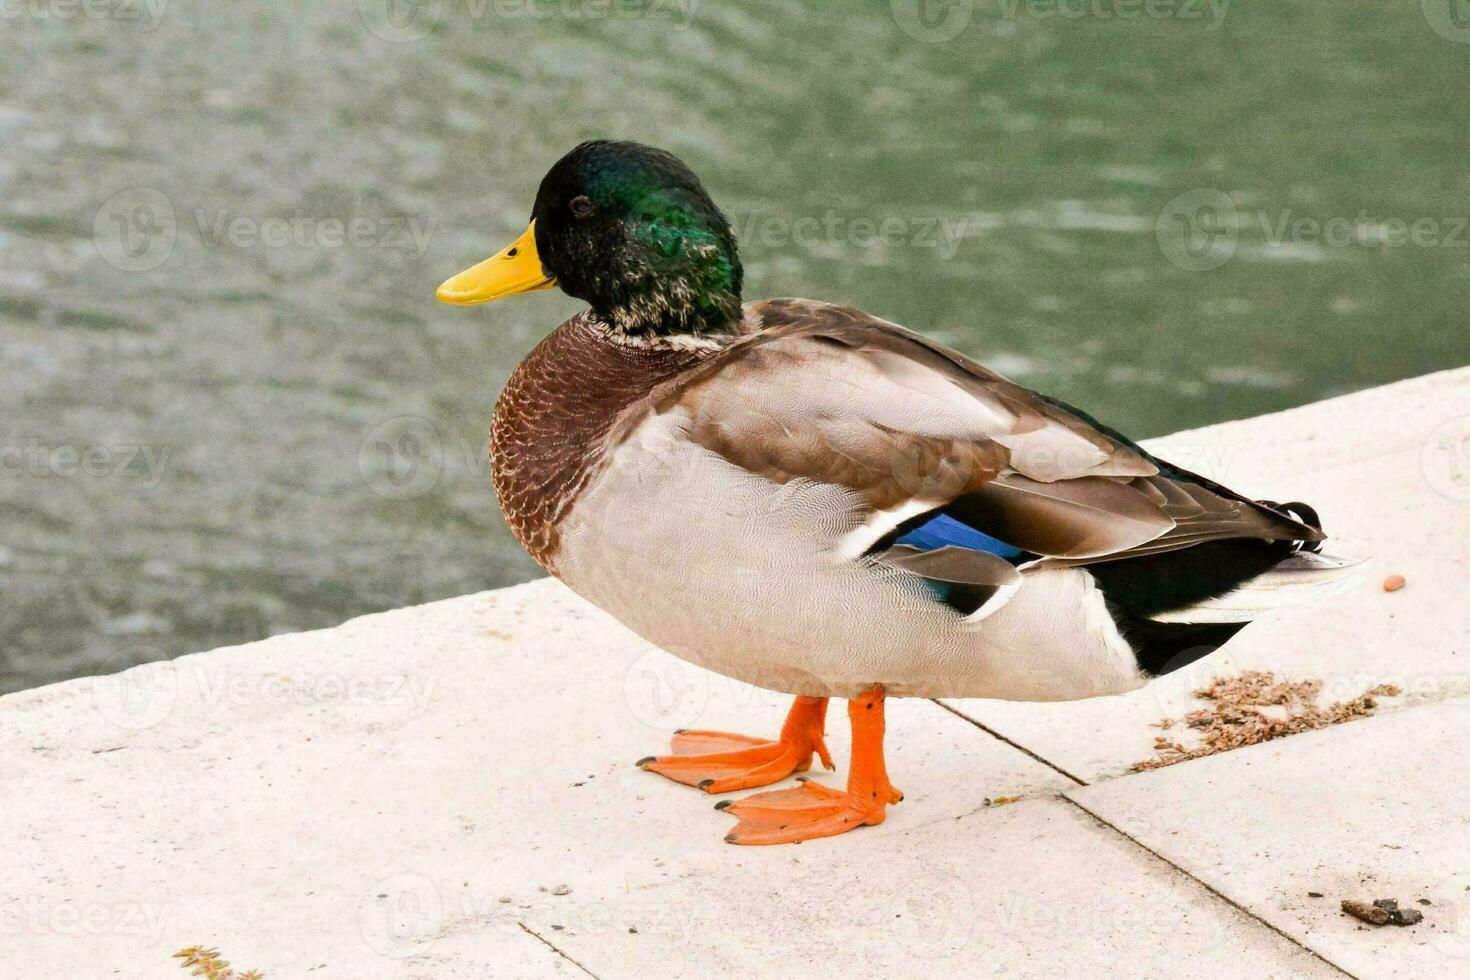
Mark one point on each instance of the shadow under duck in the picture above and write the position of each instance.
(810, 499)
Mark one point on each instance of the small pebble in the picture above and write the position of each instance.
(1398, 916)
(1382, 912)
(1314, 894)
(562, 890)
(504, 899)
(1393, 583)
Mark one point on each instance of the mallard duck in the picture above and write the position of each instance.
(810, 499)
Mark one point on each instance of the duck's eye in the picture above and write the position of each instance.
(581, 206)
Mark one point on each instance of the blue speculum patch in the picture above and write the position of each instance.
(944, 530)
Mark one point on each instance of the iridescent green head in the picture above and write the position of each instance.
(629, 229)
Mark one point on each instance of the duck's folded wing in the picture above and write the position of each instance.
(974, 583)
(939, 452)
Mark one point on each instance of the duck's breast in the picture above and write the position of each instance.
(552, 421)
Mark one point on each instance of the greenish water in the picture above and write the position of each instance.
(233, 408)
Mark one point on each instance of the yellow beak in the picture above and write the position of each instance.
(514, 269)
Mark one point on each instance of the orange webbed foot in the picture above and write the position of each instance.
(721, 762)
(811, 810)
(805, 812)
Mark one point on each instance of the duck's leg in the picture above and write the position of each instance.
(719, 762)
(811, 810)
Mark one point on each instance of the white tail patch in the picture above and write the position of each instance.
(1304, 577)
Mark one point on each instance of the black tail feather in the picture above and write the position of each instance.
(1298, 511)
(1164, 647)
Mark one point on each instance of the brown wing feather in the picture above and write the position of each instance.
(1086, 517)
(951, 564)
(833, 395)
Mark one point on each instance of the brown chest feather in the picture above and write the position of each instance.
(548, 435)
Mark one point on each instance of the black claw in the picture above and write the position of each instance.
(645, 760)
(730, 839)
(704, 783)
(722, 804)
(801, 779)
(680, 731)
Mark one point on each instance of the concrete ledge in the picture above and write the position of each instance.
(447, 791)
(1374, 809)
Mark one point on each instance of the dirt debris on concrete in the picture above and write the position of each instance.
(1383, 912)
(207, 964)
(1254, 707)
